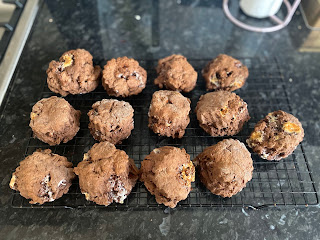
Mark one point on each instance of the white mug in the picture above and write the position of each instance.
(260, 8)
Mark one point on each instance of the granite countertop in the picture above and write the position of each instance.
(150, 30)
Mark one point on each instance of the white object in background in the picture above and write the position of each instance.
(260, 8)
(280, 23)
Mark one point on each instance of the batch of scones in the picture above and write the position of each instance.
(107, 174)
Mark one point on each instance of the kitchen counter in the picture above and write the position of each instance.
(151, 30)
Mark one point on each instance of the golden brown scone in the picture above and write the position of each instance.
(225, 168)
(54, 120)
(222, 113)
(176, 73)
(111, 120)
(43, 177)
(106, 174)
(123, 77)
(74, 73)
(225, 73)
(276, 136)
(169, 113)
(167, 173)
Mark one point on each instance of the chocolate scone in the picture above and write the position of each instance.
(74, 73)
(111, 120)
(42, 177)
(222, 113)
(169, 113)
(225, 168)
(54, 120)
(276, 136)
(176, 73)
(123, 77)
(225, 73)
(167, 173)
(106, 174)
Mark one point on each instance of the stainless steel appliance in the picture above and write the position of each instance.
(16, 18)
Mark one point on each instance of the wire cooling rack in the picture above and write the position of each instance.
(285, 183)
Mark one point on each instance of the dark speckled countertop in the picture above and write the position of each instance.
(150, 30)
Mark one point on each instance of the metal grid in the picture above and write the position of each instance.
(10, 26)
(285, 183)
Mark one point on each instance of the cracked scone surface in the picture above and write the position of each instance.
(222, 113)
(54, 120)
(276, 136)
(169, 113)
(225, 168)
(106, 174)
(176, 73)
(74, 73)
(167, 173)
(225, 73)
(43, 177)
(111, 120)
(123, 77)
